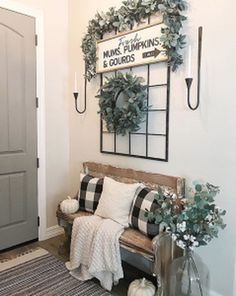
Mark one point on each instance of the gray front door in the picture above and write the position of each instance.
(18, 130)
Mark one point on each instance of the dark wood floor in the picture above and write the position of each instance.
(52, 246)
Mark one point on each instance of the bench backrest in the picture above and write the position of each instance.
(151, 180)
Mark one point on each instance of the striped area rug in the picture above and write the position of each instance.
(44, 275)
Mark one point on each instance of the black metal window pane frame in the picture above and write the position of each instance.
(137, 133)
(146, 133)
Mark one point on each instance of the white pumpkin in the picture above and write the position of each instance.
(69, 205)
(141, 287)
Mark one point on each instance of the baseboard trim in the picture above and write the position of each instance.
(53, 231)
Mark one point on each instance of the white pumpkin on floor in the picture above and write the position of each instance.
(141, 287)
(69, 205)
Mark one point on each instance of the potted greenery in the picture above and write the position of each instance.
(191, 222)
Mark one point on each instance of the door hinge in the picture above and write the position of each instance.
(38, 221)
(37, 162)
(37, 102)
(36, 40)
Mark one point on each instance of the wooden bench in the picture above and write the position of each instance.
(136, 248)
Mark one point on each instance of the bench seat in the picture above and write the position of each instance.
(131, 238)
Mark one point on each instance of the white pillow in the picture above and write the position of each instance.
(116, 200)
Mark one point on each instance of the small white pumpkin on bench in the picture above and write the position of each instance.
(69, 205)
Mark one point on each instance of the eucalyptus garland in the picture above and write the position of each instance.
(131, 12)
(128, 116)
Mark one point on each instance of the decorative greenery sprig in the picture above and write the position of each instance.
(131, 12)
(128, 116)
(192, 222)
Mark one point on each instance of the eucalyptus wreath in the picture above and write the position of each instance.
(127, 117)
(131, 12)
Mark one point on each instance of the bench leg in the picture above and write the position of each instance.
(64, 248)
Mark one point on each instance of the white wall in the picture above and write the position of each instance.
(202, 143)
(56, 91)
(55, 22)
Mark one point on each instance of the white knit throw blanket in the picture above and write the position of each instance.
(95, 250)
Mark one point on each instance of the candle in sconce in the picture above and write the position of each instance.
(76, 83)
(189, 71)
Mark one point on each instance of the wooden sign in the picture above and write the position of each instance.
(130, 49)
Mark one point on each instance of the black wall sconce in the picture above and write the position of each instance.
(76, 95)
(189, 79)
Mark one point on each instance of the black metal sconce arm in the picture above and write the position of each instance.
(189, 80)
(76, 94)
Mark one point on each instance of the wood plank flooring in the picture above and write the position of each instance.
(52, 246)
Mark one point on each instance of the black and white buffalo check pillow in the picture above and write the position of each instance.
(90, 192)
(144, 200)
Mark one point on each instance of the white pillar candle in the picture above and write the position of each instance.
(189, 72)
(75, 83)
